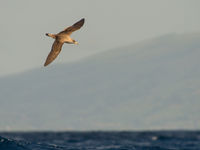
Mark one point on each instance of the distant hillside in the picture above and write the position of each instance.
(154, 84)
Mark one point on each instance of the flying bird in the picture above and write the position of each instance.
(61, 38)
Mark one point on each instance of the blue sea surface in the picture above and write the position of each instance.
(151, 140)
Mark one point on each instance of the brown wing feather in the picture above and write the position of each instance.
(55, 50)
(74, 27)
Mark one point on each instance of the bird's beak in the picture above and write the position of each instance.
(76, 43)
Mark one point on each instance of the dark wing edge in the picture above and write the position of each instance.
(55, 50)
(74, 27)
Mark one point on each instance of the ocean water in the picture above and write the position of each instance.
(155, 140)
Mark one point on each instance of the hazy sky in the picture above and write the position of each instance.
(109, 24)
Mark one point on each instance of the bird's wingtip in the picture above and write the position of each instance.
(45, 64)
(83, 19)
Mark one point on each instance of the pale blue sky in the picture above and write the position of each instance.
(109, 24)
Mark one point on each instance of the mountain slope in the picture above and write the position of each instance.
(150, 85)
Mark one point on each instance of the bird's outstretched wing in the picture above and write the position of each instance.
(55, 50)
(74, 27)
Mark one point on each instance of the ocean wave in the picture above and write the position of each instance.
(8, 144)
(100, 141)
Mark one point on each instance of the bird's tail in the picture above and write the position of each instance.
(51, 35)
